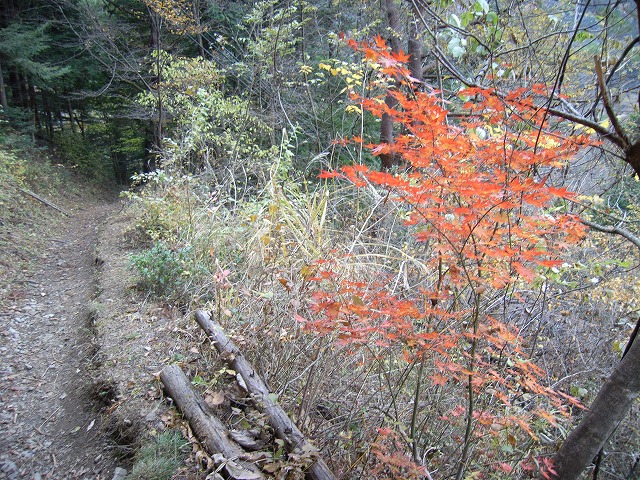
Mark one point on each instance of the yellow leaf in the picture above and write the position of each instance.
(357, 300)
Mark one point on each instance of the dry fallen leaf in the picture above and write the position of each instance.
(238, 472)
(214, 399)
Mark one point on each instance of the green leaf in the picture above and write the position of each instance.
(273, 397)
(456, 47)
(467, 18)
(481, 6)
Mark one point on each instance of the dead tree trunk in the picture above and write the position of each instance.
(284, 428)
(209, 430)
(608, 409)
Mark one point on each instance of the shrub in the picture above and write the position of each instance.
(81, 154)
(167, 272)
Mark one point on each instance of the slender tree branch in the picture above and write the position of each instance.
(607, 104)
(567, 53)
(613, 229)
(622, 57)
(585, 122)
(557, 86)
(426, 5)
(437, 51)
(573, 116)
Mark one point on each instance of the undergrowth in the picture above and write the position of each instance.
(169, 272)
(160, 457)
(261, 262)
(252, 262)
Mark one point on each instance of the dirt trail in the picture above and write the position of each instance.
(49, 428)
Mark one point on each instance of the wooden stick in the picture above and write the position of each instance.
(284, 428)
(210, 431)
(46, 202)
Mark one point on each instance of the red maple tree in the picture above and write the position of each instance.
(476, 193)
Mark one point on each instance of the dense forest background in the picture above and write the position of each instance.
(412, 327)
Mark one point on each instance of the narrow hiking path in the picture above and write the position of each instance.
(49, 427)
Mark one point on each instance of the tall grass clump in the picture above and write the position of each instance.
(159, 458)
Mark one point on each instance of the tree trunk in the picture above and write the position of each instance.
(33, 101)
(120, 170)
(60, 120)
(387, 160)
(16, 91)
(150, 162)
(24, 90)
(284, 428)
(608, 409)
(3, 92)
(80, 121)
(197, 16)
(210, 431)
(48, 117)
(414, 49)
(157, 122)
(72, 120)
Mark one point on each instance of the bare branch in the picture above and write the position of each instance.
(607, 104)
(622, 57)
(613, 229)
(614, 137)
(580, 120)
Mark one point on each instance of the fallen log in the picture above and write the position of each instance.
(210, 431)
(46, 202)
(283, 426)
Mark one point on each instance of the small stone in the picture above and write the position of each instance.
(28, 366)
(119, 474)
(10, 469)
(98, 459)
(151, 416)
(26, 454)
